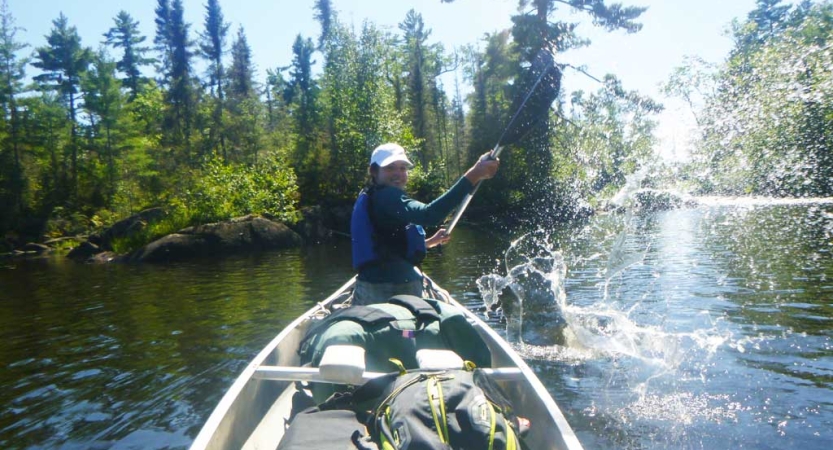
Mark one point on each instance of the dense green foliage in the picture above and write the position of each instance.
(535, 176)
(97, 137)
(767, 124)
(607, 135)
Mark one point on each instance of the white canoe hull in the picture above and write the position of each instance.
(253, 412)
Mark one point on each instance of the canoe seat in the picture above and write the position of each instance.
(342, 364)
(435, 359)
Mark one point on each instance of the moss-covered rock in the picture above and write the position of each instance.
(219, 239)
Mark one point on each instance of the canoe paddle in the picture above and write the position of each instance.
(541, 85)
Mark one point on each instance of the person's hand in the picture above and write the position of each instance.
(484, 169)
(439, 238)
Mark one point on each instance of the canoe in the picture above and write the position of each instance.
(253, 412)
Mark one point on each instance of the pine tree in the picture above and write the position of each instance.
(125, 35)
(770, 17)
(103, 100)
(800, 12)
(44, 126)
(537, 30)
(276, 110)
(163, 41)
(12, 68)
(181, 94)
(325, 15)
(245, 127)
(301, 89)
(175, 47)
(241, 72)
(63, 61)
(212, 48)
(415, 37)
(12, 74)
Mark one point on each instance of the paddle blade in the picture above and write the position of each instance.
(534, 95)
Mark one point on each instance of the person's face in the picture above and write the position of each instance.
(394, 174)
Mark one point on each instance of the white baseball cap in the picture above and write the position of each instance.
(388, 153)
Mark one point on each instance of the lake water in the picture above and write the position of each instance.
(706, 327)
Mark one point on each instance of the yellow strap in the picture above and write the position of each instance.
(469, 366)
(431, 388)
(399, 365)
(492, 425)
(386, 444)
(510, 436)
(442, 410)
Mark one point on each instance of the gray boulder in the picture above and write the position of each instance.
(84, 251)
(127, 227)
(103, 257)
(219, 239)
(312, 225)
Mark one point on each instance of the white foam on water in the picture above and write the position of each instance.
(536, 271)
(761, 201)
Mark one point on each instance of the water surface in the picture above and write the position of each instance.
(707, 327)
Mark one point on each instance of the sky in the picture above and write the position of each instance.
(672, 29)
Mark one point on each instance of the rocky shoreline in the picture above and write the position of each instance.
(238, 235)
(256, 233)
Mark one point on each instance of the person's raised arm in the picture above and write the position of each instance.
(483, 169)
(396, 204)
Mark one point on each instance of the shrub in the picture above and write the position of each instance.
(426, 185)
(232, 190)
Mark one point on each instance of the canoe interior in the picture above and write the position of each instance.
(254, 413)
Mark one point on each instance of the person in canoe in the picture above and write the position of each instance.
(386, 226)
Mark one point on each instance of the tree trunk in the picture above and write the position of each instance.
(73, 146)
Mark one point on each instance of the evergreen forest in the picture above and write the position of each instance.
(93, 132)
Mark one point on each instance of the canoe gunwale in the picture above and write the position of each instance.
(492, 337)
(215, 421)
(251, 381)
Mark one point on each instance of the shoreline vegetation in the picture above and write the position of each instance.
(96, 137)
(138, 238)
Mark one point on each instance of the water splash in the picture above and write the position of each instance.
(642, 194)
(633, 183)
(761, 201)
(531, 294)
(542, 322)
(673, 322)
(686, 408)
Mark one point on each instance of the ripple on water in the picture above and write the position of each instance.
(84, 374)
(686, 408)
(37, 394)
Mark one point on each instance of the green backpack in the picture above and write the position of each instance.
(393, 330)
(448, 409)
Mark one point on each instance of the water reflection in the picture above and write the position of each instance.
(124, 354)
(704, 327)
(707, 327)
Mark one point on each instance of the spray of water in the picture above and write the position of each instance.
(531, 294)
(539, 317)
(553, 319)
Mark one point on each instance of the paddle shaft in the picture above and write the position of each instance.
(465, 203)
(494, 154)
